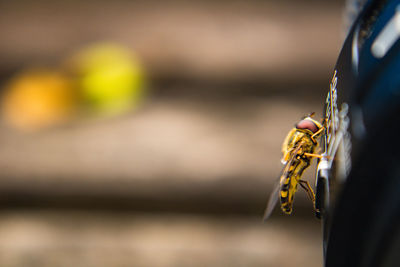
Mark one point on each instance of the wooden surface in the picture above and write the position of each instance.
(86, 239)
(171, 149)
(178, 183)
(184, 179)
(217, 40)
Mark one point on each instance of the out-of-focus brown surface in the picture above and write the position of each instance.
(48, 239)
(222, 40)
(179, 153)
(182, 180)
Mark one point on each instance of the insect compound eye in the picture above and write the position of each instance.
(307, 124)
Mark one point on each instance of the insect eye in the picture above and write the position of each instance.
(307, 124)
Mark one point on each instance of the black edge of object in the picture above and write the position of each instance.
(362, 228)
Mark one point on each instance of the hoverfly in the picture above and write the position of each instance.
(298, 151)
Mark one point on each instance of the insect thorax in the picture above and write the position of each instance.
(302, 137)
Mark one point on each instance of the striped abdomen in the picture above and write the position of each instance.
(289, 182)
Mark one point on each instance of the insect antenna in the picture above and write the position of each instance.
(309, 115)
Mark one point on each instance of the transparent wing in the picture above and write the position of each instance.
(273, 198)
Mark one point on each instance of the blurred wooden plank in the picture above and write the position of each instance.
(87, 239)
(217, 40)
(187, 155)
(167, 139)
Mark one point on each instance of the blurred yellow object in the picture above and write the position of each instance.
(110, 78)
(37, 99)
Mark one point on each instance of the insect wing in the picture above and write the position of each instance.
(273, 199)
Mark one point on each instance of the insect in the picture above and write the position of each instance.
(298, 151)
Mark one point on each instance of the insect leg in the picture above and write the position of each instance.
(317, 133)
(306, 186)
(313, 155)
(309, 191)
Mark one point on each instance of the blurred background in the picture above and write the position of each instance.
(148, 133)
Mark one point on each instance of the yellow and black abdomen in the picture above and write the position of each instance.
(294, 169)
(289, 184)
